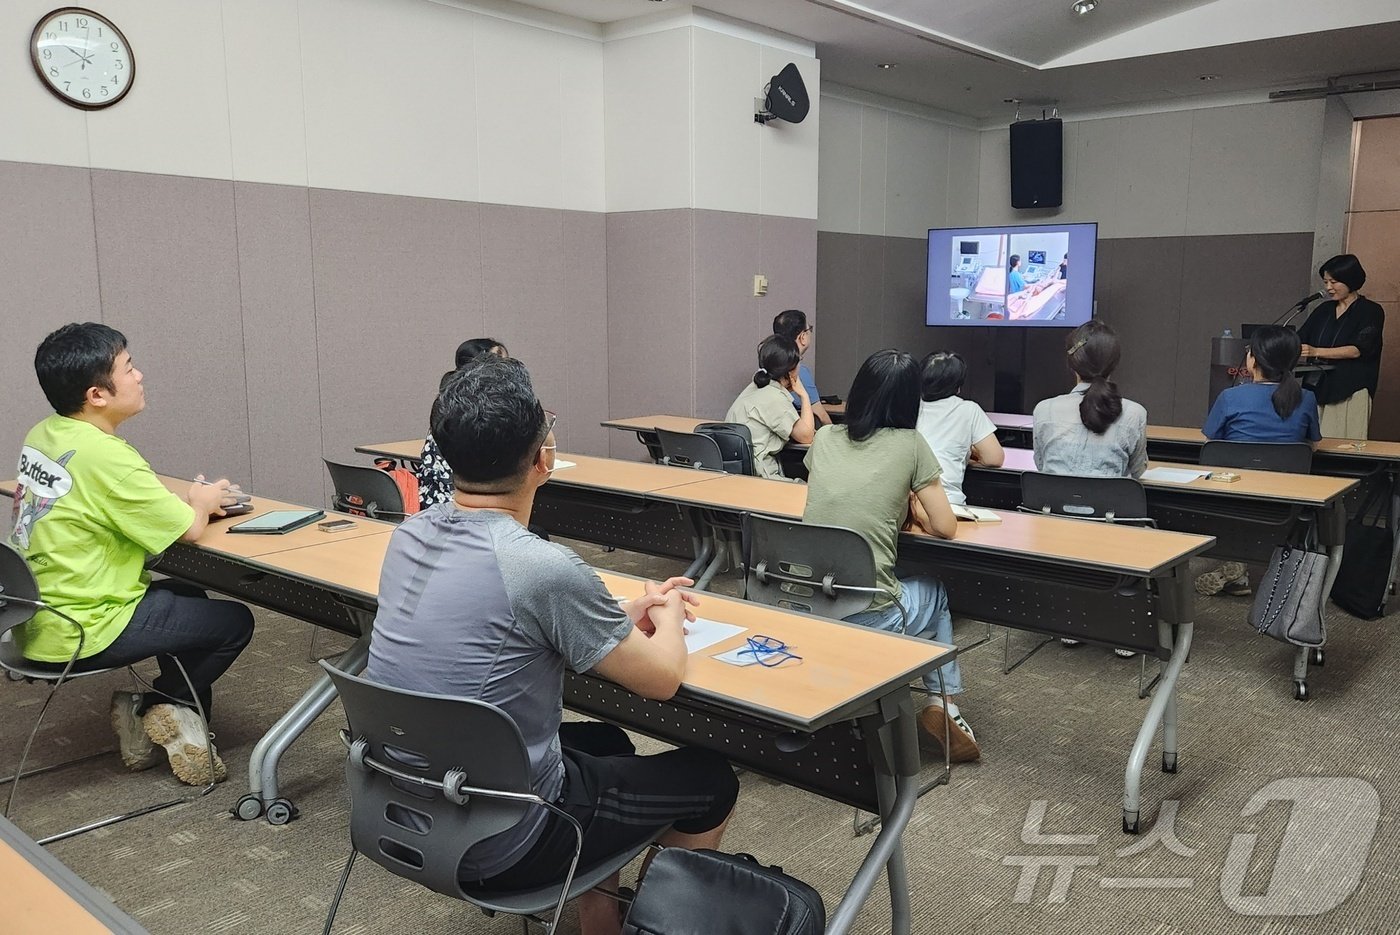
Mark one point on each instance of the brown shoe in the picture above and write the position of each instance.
(937, 724)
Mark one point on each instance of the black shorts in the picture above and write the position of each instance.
(622, 800)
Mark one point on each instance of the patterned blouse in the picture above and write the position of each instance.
(434, 476)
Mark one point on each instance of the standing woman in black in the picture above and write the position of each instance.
(1346, 333)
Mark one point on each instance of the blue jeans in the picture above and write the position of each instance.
(926, 603)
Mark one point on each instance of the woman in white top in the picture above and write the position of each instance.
(956, 429)
(765, 405)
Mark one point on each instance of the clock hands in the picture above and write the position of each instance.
(86, 59)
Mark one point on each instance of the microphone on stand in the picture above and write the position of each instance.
(1303, 303)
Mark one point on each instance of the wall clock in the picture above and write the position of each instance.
(82, 58)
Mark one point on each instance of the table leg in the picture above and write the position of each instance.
(1394, 525)
(896, 758)
(263, 787)
(1162, 709)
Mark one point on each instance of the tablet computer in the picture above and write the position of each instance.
(276, 522)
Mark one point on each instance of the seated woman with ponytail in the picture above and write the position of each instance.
(765, 405)
(1273, 408)
(1091, 430)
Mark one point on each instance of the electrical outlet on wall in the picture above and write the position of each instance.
(760, 284)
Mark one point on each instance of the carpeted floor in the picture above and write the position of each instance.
(1055, 734)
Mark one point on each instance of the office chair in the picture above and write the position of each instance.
(719, 532)
(431, 776)
(19, 603)
(1120, 500)
(735, 445)
(828, 571)
(365, 491)
(1290, 457)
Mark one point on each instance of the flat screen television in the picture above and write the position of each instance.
(1018, 276)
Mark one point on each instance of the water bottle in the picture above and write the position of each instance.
(1227, 333)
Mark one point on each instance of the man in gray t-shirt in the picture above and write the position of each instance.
(472, 604)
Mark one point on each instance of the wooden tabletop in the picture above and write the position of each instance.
(340, 564)
(1305, 489)
(411, 450)
(840, 662)
(1128, 549)
(41, 896)
(617, 475)
(217, 537)
(648, 423)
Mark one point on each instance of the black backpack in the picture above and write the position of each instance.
(710, 893)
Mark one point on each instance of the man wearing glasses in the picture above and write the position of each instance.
(793, 324)
(472, 605)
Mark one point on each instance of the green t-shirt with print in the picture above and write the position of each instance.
(88, 510)
(865, 486)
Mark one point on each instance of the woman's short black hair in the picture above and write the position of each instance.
(777, 357)
(943, 376)
(1346, 269)
(884, 395)
(75, 358)
(1011, 263)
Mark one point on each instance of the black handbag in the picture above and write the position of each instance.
(1288, 604)
(1360, 588)
(711, 893)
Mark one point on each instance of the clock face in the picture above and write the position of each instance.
(82, 58)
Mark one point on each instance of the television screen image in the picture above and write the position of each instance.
(1009, 277)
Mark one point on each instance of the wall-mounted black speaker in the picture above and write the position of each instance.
(1037, 163)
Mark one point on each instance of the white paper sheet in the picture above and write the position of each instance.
(560, 464)
(701, 633)
(1174, 475)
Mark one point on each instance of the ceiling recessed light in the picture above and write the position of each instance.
(1084, 6)
(1207, 77)
(886, 66)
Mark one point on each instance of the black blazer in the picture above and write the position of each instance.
(1360, 326)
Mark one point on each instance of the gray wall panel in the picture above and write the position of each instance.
(729, 319)
(650, 262)
(168, 260)
(585, 325)
(398, 286)
(787, 255)
(1167, 296)
(48, 277)
(279, 338)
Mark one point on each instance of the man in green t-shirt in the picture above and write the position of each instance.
(88, 511)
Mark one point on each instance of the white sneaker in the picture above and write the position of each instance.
(185, 738)
(137, 750)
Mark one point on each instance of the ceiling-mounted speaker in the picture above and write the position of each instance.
(785, 98)
(1037, 163)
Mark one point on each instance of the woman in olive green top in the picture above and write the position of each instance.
(765, 405)
(872, 474)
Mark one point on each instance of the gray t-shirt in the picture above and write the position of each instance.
(951, 426)
(865, 486)
(768, 413)
(1064, 445)
(473, 605)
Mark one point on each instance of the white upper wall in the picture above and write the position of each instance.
(891, 170)
(680, 133)
(1245, 169)
(433, 99)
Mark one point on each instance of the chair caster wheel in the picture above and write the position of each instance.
(1169, 762)
(1130, 826)
(1317, 658)
(249, 808)
(280, 811)
(1300, 691)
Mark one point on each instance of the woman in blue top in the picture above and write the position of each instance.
(1272, 408)
(1015, 282)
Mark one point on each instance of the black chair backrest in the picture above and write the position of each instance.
(416, 831)
(19, 592)
(1291, 457)
(735, 445)
(365, 491)
(687, 449)
(1108, 499)
(823, 570)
